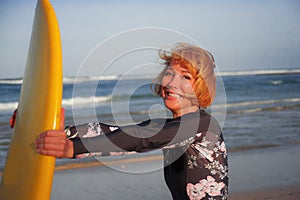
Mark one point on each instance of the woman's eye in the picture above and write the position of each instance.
(168, 74)
(187, 77)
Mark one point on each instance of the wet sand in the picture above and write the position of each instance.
(268, 173)
(280, 193)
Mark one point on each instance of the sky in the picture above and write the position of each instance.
(242, 35)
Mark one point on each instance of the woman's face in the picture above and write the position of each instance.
(177, 90)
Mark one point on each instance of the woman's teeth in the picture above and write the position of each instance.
(174, 95)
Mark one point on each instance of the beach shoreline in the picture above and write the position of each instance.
(266, 173)
(291, 192)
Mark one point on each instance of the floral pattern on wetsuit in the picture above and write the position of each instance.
(208, 154)
(94, 129)
(205, 186)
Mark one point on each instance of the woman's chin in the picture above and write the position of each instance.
(173, 106)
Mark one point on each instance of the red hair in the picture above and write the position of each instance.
(199, 62)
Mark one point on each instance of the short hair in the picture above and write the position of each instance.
(199, 62)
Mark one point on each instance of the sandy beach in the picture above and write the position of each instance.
(266, 173)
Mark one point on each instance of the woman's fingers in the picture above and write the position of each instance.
(54, 147)
(57, 154)
(51, 143)
(54, 143)
(53, 133)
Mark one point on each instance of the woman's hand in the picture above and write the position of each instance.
(55, 142)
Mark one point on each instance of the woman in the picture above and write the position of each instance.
(195, 159)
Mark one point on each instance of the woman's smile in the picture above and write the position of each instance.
(172, 95)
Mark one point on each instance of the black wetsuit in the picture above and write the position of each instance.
(195, 157)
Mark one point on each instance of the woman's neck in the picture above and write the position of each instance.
(179, 113)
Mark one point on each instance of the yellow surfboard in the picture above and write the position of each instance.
(28, 175)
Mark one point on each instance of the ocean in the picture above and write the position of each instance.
(255, 108)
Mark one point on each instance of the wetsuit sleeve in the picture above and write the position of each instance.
(151, 134)
(89, 130)
(140, 137)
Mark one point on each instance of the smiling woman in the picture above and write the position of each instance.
(194, 66)
(195, 158)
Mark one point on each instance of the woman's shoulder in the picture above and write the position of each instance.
(206, 122)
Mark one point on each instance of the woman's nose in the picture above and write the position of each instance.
(174, 81)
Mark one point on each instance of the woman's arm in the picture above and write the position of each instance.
(149, 135)
(89, 130)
